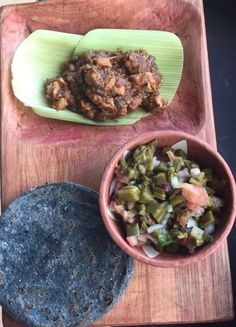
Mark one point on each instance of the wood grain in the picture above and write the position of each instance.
(35, 150)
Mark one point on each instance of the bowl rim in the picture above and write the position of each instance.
(105, 183)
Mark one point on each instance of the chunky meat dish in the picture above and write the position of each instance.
(104, 85)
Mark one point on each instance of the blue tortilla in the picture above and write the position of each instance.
(58, 265)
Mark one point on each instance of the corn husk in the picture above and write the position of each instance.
(43, 53)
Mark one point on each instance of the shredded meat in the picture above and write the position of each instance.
(58, 91)
(104, 85)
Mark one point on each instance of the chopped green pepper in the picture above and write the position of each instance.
(143, 227)
(210, 190)
(149, 160)
(181, 153)
(159, 193)
(157, 210)
(174, 193)
(208, 174)
(207, 219)
(197, 234)
(129, 193)
(132, 173)
(170, 173)
(139, 154)
(190, 164)
(169, 208)
(152, 145)
(177, 234)
(141, 208)
(185, 212)
(165, 239)
(146, 181)
(146, 195)
(160, 178)
(155, 234)
(162, 167)
(178, 163)
(132, 229)
(177, 199)
(207, 237)
(142, 169)
(123, 165)
(198, 180)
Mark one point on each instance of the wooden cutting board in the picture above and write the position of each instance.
(35, 150)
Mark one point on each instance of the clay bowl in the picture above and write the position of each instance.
(203, 154)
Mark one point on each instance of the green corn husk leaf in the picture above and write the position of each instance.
(43, 53)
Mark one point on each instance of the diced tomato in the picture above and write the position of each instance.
(163, 157)
(195, 194)
(149, 236)
(171, 155)
(182, 220)
(116, 171)
(132, 240)
(182, 241)
(193, 206)
(165, 187)
(190, 244)
(118, 187)
(121, 177)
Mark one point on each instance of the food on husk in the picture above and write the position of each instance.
(43, 53)
(104, 85)
(167, 202)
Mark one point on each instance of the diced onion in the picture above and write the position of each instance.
(198, 212)
(217, 202)
(195, 172)
(191, 223)
(155, 241)
(165, 231)
(174, 182)
(184, 173)
(155, 162)
(142, 238)
(210, 228)
(165, 219)
(169, 208)
(150, 251)
(112, 186)
(154, 227)
(197, 232)
(111, 214)
(181, 145)
(126, 154)
(171, 155)
(181, 181)
(132, 240)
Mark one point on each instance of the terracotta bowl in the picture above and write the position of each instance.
(203, 154)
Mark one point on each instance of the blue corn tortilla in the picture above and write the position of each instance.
(58, 265)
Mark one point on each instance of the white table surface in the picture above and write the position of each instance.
(8, 2)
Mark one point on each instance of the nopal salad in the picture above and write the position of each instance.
(167, 202)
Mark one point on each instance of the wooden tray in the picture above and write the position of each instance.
(35, 150)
